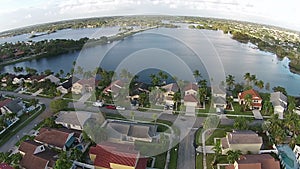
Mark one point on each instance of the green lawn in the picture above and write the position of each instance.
(173, 157)
(24, 120)
(209, 160)
(238, 111)
(160, 161)
(72, 96)
(218, 133)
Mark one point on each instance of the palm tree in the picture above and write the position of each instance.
(230, 81)
(132, 113)
(154, 117)
(202, 92)
(218, 150)
(162, 75)
(248, 101)
(253, 79)
(61, 72)
(176, 98)
(267, 107)
(247, 77)
(203, 83)
(154, 80)
(233, 156)
(197, 74)
(259, 84)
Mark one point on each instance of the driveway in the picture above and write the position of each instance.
(190, 111)
(85, 97)
(257, 115)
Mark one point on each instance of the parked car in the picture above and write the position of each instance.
(98, 104)
(110, 107)
(120, 108)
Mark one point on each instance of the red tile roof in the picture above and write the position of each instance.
(255, 95)
(190, 86)
(5, 102)
(190, 98)
(5, 166)
(123, 154)
(52, 137)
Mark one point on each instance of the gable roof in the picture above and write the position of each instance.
(114, 86)
(53, 79)
(243, 137)
(37, 77)
(258, 161)
(190, 98)
(75, 117)
(255, 95)
(219, 100)
(68, 83)
(172, 87)
(5, 102)
(90, 82)
(278, 99)
(123, 154)
(191, 86)
(39, 160)
(14, 106)
(53, 137)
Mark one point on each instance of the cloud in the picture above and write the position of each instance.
(28, 16)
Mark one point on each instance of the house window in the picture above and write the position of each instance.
(255, 101)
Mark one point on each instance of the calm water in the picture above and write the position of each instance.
(178, 52)
(75, 34)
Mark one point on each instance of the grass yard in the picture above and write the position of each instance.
(160, 161)
(173, 157)
(72, 96)
(238, 111)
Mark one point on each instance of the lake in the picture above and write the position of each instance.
(178, 52)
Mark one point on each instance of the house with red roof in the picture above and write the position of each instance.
(84, 85)
(57, 138)
(108, 155)
(114, 88)
(255, 161)
(256, 103)
(36, 155)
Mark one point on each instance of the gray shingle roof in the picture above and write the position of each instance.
(14, 106)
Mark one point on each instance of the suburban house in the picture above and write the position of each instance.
(137, 89)
(7, 79)
(126, 131)
(246, 141)
(35, 78)
(36, 155)
(5, 166)
(114, 88)
(61, 139)
(20, 79)
(12, 106)
(279, 102)
(169, 91)
(66, 86)
(53, 79)
(219, 98)
(108, 155)
(76, 119)
(255, 161)
(191, 89)
(84, 85)
(256, 103)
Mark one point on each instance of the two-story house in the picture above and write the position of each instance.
(279, 102)
(256, 100)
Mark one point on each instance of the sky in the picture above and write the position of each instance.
(20, 13)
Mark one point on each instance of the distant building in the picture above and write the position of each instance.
(84, 85)
(36, 155)
(256, 103)
(246, 141)
(255, 161)
(35, 78)
(66, 86)
(108, 155)
(279, 102)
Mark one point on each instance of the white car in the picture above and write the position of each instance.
(98, 104)
(120, 108)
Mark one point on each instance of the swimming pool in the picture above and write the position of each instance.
(287, 157)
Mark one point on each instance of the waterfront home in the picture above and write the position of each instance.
(114, 88)
(108, 155)
(137, 89)
(36, 155)
(256, 100)
(84, 86)
(53, 79)
(244, 140)
(255, 161)
(191, 89)
(61, 139)
(279, 102)
(169, 91)
(76, 119)
(35, 78)
(20, 79)
(66, 86)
